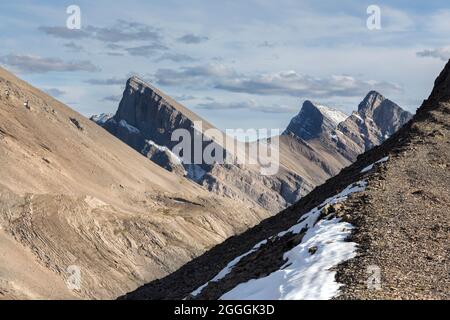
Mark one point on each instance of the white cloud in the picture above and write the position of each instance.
(55, 92)
(192, 39)
(249, 105)
(439, 53)
(284, 83)
(37, 64)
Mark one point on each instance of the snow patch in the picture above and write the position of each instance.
(370, 167)
(194, 172)
(174, 157)
(334, 115)
(222, 274)
(357, 116)
(304, 276)
(130, 128)
(102, 118)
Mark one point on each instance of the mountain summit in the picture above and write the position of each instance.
(314, 119)
(386, 115)
(375, 121)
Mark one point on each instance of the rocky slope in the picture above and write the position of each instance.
(380, 228)
(71, 194)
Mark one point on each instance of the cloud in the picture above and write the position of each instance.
(248, 105)
(125, 31)
(184, 97)
(266, 44)
(37, 64)
(55, 92)
(113, 98)
(107, 82)
(175, 57)
(201, 74)
(121, 31)
(284, 83)
(291, 83)
(438, 22)
(145, 51)
(64, 33)
(115, 54)
(114, 46)
(192, 39)
(439, 53)
(72, 46)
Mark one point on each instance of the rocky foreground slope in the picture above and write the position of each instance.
(378, 230)
(71, 194)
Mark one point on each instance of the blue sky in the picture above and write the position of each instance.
(240, 64)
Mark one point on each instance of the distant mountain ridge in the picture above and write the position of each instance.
(376, 119)
(384, 217)
(313, 147)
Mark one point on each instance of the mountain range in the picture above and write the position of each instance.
(74, 196)
(316, 145)
(377, 230)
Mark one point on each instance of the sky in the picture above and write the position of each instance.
(239, 64)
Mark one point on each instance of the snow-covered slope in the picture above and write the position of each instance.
(306, 273)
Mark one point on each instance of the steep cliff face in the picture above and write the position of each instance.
(145, 113)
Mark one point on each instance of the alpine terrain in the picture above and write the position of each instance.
(378, 230)
(85, 216)
(317, 144)
(73, 197)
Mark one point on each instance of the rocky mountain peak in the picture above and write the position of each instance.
(372, 101)
(314, 119)
(135, 83)
(375, 121)
(441, 90)
(387, 116)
